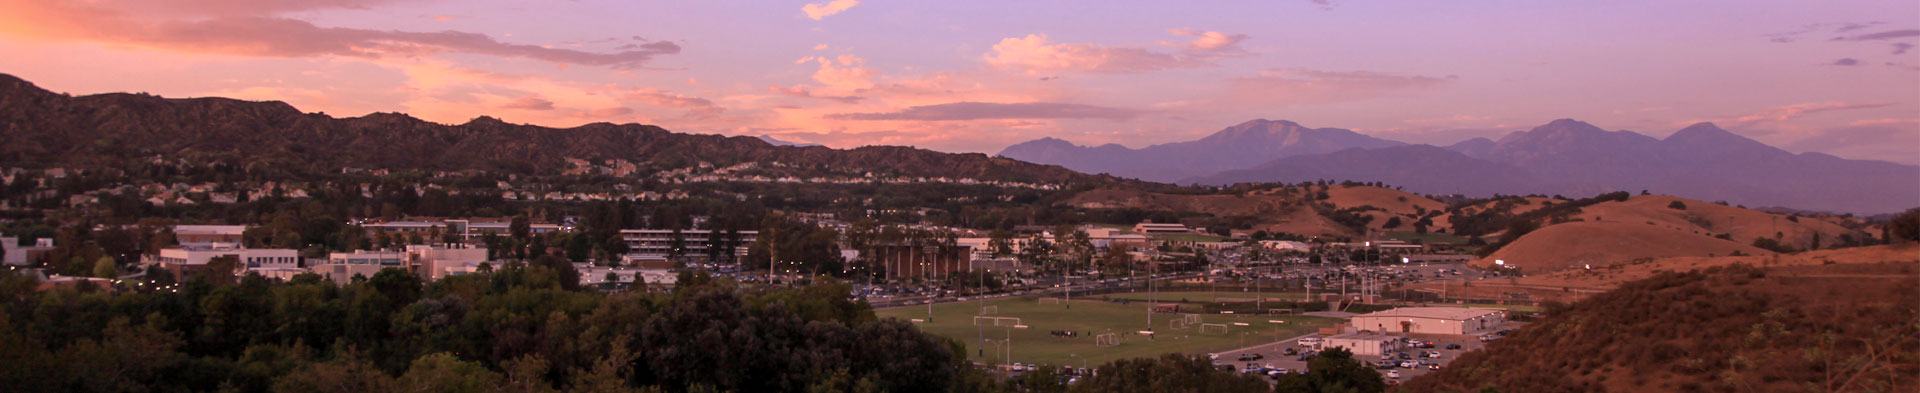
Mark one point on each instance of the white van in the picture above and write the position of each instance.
(1310, 342)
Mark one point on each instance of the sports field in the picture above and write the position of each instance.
(1037, 345)
(1203, 295)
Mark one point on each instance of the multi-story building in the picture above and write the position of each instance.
(341, 267)
(207, 235)
(434, 263)
(269, 262)
(468, 230)
(651, 244)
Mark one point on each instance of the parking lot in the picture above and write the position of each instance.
(1275, 355)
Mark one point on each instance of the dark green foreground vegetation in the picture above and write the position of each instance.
(514, 329)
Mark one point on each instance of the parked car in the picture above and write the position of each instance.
(1290, 352)
(1453, 346)
(1251, 356)
(1406, 364)
(1504, 332)
(1393, 373)
(1433, 354)
(1405, 356)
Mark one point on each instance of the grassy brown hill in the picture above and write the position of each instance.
(45, 129)
(1807, 328)
(1571, 245)
(1613, 276)
(1657, 226)
(1742, 225)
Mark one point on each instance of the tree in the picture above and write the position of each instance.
(445, 373)
(520, 227)
(1168, 373)
(105, 268)
(1677, 205)
(1335, 370)
(1904, 227)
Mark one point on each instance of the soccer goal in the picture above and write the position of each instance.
(997, 321)
(1190, 319)
(1177, 324)
(1107, 340)
(1051, 300)
(1213, 328)
(989, 310)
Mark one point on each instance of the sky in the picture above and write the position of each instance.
(1841, 78)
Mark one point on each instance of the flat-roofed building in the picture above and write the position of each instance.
(468, 230)
(1432, 320)
(341, 267)
(194, 258)
(658, 244)
(1364, 344)
(433, 263)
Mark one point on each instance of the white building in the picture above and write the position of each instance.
(16, 254)
(433, 263)
(1150, 228)
(1364, 344)
(341, 267)
(1432, 320)
(1285, 245)
(268, 262)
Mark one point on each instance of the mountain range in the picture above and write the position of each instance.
(1565, 156)
(39, 128)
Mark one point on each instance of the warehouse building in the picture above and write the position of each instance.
(1432, 320)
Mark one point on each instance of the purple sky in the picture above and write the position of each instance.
(1835, 77)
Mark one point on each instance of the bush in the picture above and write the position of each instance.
(1677, 205)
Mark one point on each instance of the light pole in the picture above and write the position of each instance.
(982, 294)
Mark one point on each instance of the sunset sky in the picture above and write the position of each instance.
(975, 76)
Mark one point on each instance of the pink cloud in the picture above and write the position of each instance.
(1204, 41)
(695, 107)
(801, 91)
(1036, 53)
(1790, 112)
(820, 11)
(531, 103)
(267, 36)
(988, 110)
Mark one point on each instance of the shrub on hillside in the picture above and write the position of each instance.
(1677, 205)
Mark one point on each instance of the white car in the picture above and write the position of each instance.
(1433, 354)
(1393, 373)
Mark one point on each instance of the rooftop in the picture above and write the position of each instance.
(1448, 313)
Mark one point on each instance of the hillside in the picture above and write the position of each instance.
(1286, 209)
(43, 129)
(1615, 275)
(1837, 328)
(1573, 245)
(1239, 146)
(1742, 225)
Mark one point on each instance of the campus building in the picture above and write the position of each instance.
(1364, 344)
(469, 230)
(207, 235)
(1153, 228)
(186, 260)
(658, 244)
(1432, 320)
(341, 267)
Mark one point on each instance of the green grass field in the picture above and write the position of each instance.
(1036, 345)
(1202, 295)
